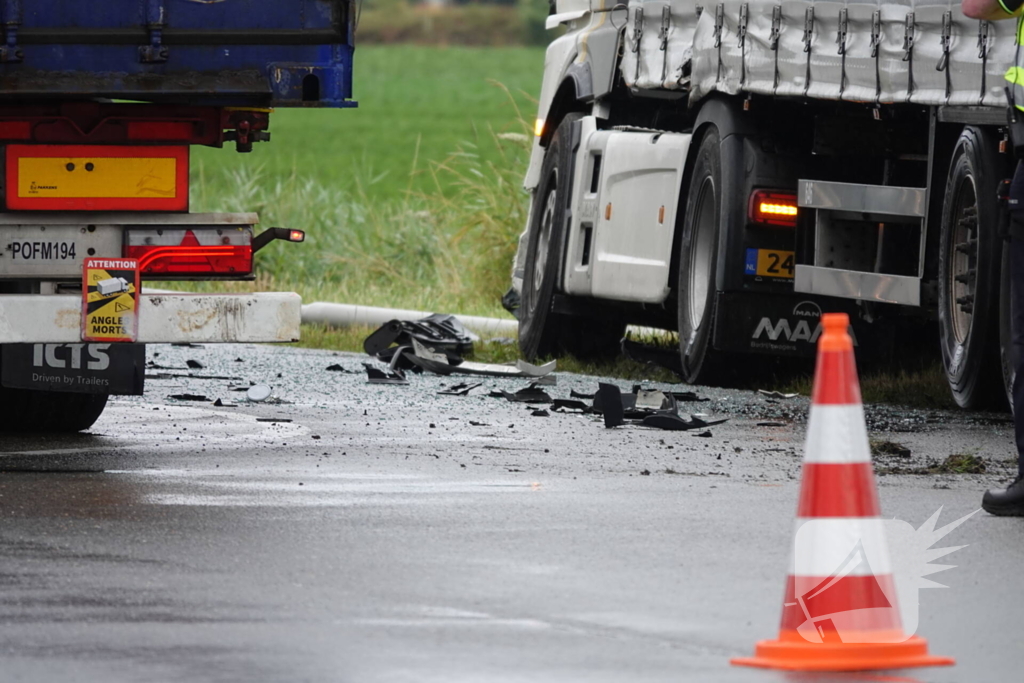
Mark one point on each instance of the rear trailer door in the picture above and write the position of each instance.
(278, 53)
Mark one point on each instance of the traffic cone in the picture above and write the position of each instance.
(840, 611)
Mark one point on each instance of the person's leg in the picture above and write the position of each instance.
(1010, 501)
(1017, 347)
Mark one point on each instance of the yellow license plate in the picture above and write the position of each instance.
(770, 263)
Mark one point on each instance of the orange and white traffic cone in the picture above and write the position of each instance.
(840, 611)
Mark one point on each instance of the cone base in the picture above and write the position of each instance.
(802, 655)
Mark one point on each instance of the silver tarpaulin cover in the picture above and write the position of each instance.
(919, 51)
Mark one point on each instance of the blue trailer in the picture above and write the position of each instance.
(100, 103)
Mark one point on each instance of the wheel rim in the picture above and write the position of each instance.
(961, 281)
(702, 253)
(547, 220)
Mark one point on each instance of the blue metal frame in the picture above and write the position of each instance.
(269, 53)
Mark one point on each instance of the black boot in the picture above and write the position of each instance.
(1008, 502)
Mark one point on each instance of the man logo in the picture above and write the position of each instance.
(807, 313)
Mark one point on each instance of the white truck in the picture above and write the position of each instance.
(731, 169)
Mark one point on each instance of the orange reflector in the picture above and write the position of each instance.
(538, 127)
(773, 208)
(608, 212)
(296, 236)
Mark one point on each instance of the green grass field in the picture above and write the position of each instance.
(416, 105)
(412, 200)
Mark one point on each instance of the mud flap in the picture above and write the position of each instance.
(782, 325)
(78, 368)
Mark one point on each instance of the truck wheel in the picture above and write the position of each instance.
(698, 261)
(970, 260)
(541, 331)
(28, 410)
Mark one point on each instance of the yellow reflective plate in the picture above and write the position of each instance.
(131, 177)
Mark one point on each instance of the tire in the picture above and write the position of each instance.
(29, 410)
(543, 333)
(970, 267)
(698, 263)
(48, 412)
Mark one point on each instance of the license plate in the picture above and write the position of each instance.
(54, 251)
(36, 251)
(770, 263)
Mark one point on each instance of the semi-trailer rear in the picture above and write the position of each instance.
(100, 104)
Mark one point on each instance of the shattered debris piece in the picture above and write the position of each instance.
(528, 394)
(188, 397)
(705, 434)
(771, 424)
(337, 368)
(775, 394)
(676, 423)
(547, 381)
(375, 375)
(687, 397)
(239, 360)
(194, 364)
(540, 413)
(653, 400)
(461, 389)
(568, 405)
(442, 333)
(479, 424)
(221, 404)
(575, 394)
(258, 393)
(518, 369)
(273, 419)
(890, 448)
(610, 398)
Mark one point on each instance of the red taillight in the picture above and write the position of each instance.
(204, 251)
(773, 208)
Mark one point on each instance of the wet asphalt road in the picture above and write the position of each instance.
(374, 533)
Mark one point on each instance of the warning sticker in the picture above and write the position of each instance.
(110, 300)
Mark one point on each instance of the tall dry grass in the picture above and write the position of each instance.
(446, 250)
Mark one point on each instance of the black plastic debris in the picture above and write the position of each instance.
(273, 419)
(221, 404)
(479, 424)
(567, 405)
(375, 375)
(706, 434)
(610, 399)
(194, 364)
(239, 360)
(337, 368)
(528, 394)
(439, 331)
(674, 422)
(576, 394)
(461, 389)
(540, 413)
(188, 397)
